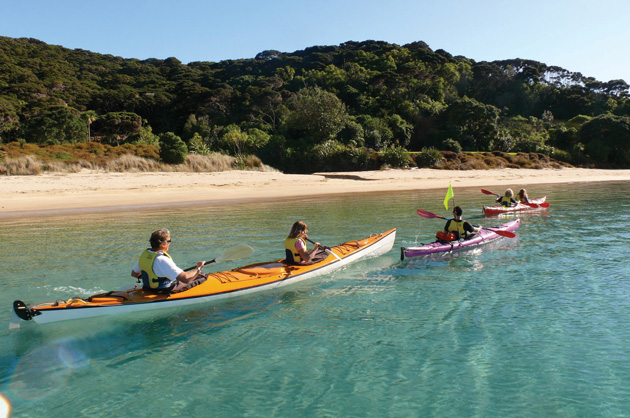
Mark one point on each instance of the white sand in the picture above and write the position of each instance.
(91, 191)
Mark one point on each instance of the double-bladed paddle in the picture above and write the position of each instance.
(234, 253)
(327, 249)
(430, 215)
(313, 242)
(489, 192)
(532, 205)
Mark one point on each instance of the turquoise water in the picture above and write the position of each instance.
(536, 326)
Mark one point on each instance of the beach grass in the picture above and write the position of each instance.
(31, 159)
(34, 165)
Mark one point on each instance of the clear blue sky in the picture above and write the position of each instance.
(591, 37)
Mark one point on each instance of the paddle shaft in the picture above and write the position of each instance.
(233, 253)
(489, 192)
(533, 205)
(313, 242)
(427, 214)
(327, 249)
(205, 264)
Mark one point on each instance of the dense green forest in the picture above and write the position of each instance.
(323, 108)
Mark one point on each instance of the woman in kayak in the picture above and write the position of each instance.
(522, 196)
(295, 245)
(158, 271)
(507, 200)
(459, 227)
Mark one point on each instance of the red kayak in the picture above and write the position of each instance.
(535, 204)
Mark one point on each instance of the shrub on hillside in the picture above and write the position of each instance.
(396, 157)
(561, 155)
(327, 156)
(333, 155)
(246, 162)
(450, 144)
(172, 149)
(359, 158)
(428, 157)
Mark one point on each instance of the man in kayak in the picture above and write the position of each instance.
(158, 271)
(507, 200)
(295, 246)
(459, 227)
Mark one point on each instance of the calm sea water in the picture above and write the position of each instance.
(536, 326)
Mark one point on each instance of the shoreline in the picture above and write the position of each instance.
(92, 191)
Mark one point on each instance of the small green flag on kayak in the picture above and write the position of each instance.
(449, 195)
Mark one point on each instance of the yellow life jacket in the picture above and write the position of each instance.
(292, 254)
(457, 227)
(506, 201)
(150, 280)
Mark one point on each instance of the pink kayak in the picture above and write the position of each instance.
(483, 237)
(535, 204)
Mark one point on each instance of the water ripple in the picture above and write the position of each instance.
(529, 327)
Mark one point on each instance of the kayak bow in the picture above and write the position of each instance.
(219, 286)
(484, 236)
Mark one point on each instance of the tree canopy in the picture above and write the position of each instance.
(288, 107)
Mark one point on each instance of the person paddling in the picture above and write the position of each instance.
(507, 199)
(158, 271)
(522, 196)
(459, 227)
(295, 245)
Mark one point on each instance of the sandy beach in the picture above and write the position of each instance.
(102, 191)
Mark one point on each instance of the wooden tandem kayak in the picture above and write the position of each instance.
(219, 286)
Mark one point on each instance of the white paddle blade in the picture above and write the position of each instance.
(234, 253)
(15, 320)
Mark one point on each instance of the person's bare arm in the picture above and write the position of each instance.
(189, 276)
